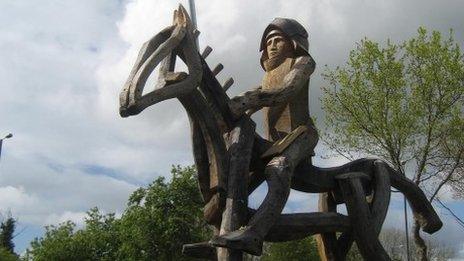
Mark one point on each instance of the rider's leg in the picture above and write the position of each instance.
(278, 177)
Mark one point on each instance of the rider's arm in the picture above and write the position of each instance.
(258, 98)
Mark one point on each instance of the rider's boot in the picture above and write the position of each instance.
(250, 239)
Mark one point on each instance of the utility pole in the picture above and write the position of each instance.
(406, 228)
(193, 16)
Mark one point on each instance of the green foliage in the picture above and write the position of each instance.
(298, 250)
(354, 254)
(159, 219)
(368, 98)
(6, 234)
(163, 217)
(401, 102)
(59, 243)
(98, 241)
(6, 255)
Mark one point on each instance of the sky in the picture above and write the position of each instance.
(63, 64)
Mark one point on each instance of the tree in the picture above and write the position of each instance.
(159, 219)
(394, 243)
(6, 234)
(60, 243)
(304, 250)
(404, 104)
(163, 217)
(6, 255)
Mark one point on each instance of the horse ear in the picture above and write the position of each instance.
(183, 17)
(174, 17)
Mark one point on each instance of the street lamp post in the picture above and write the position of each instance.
(9, 135)
(193, 16)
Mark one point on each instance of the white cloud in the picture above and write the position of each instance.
(76, 217)
(16, 197)
(64, 63)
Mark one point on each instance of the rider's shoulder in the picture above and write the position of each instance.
(304, 61)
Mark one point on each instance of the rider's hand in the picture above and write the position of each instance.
(245, 102)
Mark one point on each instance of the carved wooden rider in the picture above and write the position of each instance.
(283, 96)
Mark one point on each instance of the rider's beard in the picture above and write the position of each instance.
(272, 63)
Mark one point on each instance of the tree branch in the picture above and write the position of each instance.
(458, 220)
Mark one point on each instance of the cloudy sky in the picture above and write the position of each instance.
(63, 64)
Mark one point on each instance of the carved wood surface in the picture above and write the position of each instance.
(300, 225)
(240, 143)
(359, 213)
(327, 242)
(228, 155)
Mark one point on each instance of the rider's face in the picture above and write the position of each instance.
(277, 45)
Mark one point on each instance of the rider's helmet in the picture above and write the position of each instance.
(293, 30)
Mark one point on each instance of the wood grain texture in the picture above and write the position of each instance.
(259, 97)
(308, 176)
(327, 242)
(359, 214)
(200, 250)
(240, 144)
(206, 52)
(381, 201)
(230, 163)
(300, 225)
(227, 84)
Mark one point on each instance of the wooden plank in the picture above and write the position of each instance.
(132, 101)
(147, 49)
(423, 210)
(217, 69)
(141, 76)
(200, 156)
(307, 178)
(212, 211)
(200, 152)
(213, 91)
(206, 52)
(310, 179)
(381, 199)
(300, 225)
(235, 215)
(279, 146)
(359, 214)
(227, 84)
(327, 242)
(216, 148)
(202, 113)
(200, 250)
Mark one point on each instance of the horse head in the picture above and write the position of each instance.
(177, 39)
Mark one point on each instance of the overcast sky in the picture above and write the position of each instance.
(63, 64)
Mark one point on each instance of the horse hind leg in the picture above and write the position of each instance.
(423, 210)
(365, 228)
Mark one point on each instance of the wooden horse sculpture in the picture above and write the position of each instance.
(229, 159)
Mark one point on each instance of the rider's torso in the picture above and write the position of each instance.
(280, 120)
